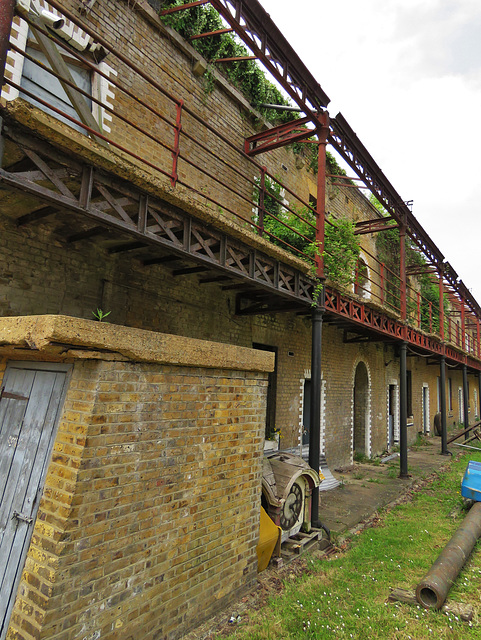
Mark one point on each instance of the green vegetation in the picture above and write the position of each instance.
(388, 248)
(346, 597)
(100, 315)
(295, 231)
(246, 75)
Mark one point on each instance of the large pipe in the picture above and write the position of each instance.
(432, 591)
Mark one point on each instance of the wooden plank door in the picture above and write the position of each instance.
(30, 403)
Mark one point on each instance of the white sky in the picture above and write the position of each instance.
(406, 74)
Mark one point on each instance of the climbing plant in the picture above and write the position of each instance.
(246, 75)
(388, 250)
(294, 231)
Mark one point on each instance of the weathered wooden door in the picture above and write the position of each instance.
(30, 403)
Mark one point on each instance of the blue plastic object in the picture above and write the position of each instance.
(471, 484)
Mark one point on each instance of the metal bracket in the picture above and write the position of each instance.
(12, 396)
(21, 517)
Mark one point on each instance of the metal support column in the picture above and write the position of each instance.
(465, 399)
(403, 412)
(442, 401)
(402, 271)
(479, 395)
(317, 315)
(322, 134)
(315, 426)
(441, 304)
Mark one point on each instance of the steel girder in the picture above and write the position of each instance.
(255, 28)
(148, 221)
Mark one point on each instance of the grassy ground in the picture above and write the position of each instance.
(346, 596)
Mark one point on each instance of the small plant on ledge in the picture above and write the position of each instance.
(99, 315)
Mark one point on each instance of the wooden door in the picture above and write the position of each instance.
(30, 402)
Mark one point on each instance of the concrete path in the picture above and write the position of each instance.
(365, 488)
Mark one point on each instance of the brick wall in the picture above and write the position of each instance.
(40, 272)
(150, 514)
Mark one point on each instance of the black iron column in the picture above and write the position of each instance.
(315, 426)
(442, 401)
(403, 412)
(465, 400)
(479, 396)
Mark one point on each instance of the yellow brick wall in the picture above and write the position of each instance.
(150, 514)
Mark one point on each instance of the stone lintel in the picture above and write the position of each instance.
(66, 338)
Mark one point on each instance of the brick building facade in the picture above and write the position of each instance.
(148, 513)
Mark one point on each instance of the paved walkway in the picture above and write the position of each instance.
(365, 488)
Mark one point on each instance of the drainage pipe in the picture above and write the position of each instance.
(432, 591)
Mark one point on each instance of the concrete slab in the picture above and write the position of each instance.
(366, 488)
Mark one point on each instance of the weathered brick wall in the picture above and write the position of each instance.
(42, 273)
(150, 514)
(219, 172)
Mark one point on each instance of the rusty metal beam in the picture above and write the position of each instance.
(38, 214)
(208, 34)
(235, 59)
(418, 271)
(256, 29)
(188, 270)
(187, 5)
(276, 137)
(175, 230)
(373, 226)
(86, 235)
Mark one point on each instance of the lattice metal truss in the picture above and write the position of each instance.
(62, 183)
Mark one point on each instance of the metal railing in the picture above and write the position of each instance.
(156, 129)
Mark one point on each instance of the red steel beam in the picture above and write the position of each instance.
(183, 7)
(256, 29)
(207, 34)
(279, 136)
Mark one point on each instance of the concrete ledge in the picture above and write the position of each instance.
(125, 167)
(65, 338)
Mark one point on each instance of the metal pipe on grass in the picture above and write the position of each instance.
(432, 591)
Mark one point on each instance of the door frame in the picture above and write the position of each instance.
(33, 365)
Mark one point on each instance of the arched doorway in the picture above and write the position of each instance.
(361, 411)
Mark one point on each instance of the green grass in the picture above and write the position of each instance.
(346, 597)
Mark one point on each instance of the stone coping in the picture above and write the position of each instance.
(67, 338)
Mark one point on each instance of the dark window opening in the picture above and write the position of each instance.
(271, 391)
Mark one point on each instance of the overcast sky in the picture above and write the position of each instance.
(406, 74)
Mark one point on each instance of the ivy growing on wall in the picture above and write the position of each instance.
(246, 75)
